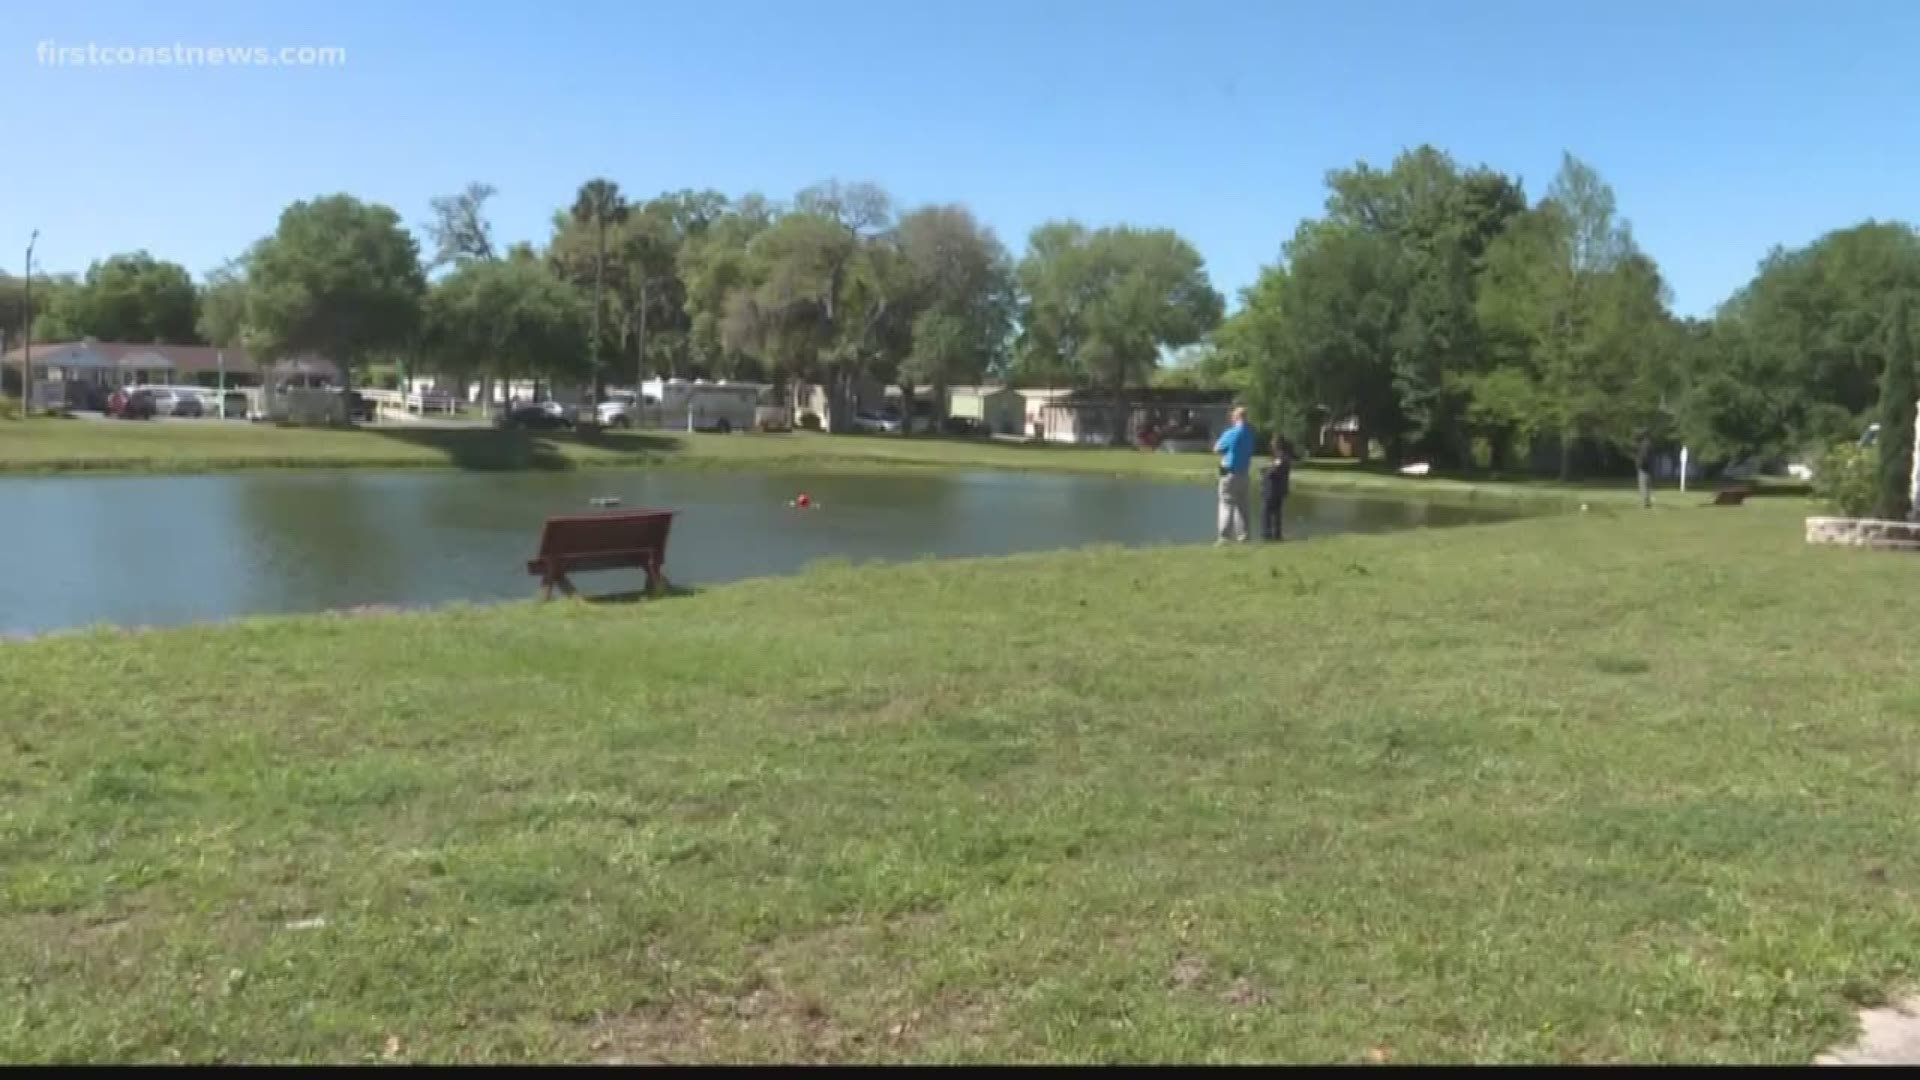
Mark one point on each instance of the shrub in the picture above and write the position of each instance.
(1848, 479)
(810, 421)
(9, 409)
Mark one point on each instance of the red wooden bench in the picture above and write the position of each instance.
(1731, 497)
(621, 540)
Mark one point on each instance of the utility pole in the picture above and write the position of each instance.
(26, 336)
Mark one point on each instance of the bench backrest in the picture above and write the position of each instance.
(616, 531)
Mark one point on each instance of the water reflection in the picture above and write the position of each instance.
(161, 550)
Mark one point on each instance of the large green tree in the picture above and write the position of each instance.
(817, 292)
(600, 207)
(716, 271)
(654, 314)
(1897, 398)
(460, 229)
(1372, 311)
(129, 297)
(1811, 322)
(56, 304)
(1436, 222)
(506, 319)
(1100, 306)
(961, 281)
(461, 233)
(645, 295)
(339, 278)
(1577, 320)
(1319, 330)
(223, 305)
(1207, 365)
(136, 297)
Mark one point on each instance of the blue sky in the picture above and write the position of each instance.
(1724, 127)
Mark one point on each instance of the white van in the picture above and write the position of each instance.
(704, 406)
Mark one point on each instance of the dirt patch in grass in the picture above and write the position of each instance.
(1191, 974)
(840, 993)
(770, 1023)
(762, 1024)
(1888, 1036)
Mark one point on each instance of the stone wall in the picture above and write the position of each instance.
(1864, 532)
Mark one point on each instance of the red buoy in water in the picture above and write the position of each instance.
(803, 501)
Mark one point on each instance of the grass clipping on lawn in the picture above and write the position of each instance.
(1624, 787)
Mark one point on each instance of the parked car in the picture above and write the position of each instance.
(166, 402)
(360, 410)
(567, 414)
(131, 405)
(186, 404)
(533, 416)
(876, 423)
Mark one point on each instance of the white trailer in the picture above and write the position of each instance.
(699, 405)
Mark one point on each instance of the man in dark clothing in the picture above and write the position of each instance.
(1643, 467)
(1274, 484)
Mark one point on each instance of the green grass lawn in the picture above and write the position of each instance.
(1606, 786)
(53, 446)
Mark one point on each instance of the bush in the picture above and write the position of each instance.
(1848, 479)
(810, 421)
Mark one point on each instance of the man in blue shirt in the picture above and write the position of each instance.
(1236, 459)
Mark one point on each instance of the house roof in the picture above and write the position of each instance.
(187, 358)
(1164, 396)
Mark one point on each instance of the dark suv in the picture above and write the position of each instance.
(131, 405)
(359, 409)
(536, 416)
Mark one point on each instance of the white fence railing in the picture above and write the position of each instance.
(431, 401)
(418, 401)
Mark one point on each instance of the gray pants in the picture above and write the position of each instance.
(1646, 488)
(1233, 508)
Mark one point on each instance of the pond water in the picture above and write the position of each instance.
(146, 551)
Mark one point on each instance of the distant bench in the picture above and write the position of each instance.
(1731, 497)
(619, 540)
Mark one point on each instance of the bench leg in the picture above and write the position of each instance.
(656, 578)
(565, 586)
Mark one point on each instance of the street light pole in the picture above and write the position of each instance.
(26, 336)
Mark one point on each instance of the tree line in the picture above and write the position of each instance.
(1434, 304)
(1460, 324)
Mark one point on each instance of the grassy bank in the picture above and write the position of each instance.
(1594, 787)
(61, 446)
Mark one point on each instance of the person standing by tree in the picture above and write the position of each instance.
(1274, 485)
(1236, 459)
(1643, 467)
